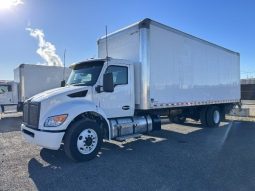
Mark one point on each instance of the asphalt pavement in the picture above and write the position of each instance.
(179, 157)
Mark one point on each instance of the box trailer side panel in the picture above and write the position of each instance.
(16, 73)
(173, 68)
(185, 70)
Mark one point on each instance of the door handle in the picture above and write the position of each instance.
(126, 107)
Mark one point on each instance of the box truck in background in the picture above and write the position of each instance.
(150, 70)
(29, 80)
(33, 79)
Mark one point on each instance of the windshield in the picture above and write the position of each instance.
(85, 74)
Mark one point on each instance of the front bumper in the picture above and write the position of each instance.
(47, 139)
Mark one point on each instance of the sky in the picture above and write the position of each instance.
(76, 25)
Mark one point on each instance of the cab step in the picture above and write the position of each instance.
(123, 138)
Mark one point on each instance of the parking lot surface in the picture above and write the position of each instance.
(179, 157)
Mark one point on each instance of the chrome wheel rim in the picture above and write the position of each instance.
(87, 141)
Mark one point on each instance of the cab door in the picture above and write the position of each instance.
(6, 96)
(120, 102)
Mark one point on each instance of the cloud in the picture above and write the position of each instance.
(17, 2)
(8, 4)
(45, 49)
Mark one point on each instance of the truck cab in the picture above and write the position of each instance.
(118, 101)
(97, 102)
(8, 96)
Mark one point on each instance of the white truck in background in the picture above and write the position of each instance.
(8, 95)
(152, 70)
(33, 79)
(29, 80)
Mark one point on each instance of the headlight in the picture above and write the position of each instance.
(55, 121)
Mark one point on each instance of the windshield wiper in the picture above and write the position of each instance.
(79, 84)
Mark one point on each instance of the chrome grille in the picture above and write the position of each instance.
(31, 114)
(25, 112)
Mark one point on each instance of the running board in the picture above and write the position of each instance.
(123, 138)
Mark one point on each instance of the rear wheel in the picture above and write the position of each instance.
(203, 116)
(83, 140)
(213, 116)
(223, 115)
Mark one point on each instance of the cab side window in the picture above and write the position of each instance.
(5, 89)
(120, 74)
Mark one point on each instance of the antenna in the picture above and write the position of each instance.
(106, 44)
(64, 71)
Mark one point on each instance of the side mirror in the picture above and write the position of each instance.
(108, 85)
(63, 83)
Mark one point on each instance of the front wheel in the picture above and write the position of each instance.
(83, 140)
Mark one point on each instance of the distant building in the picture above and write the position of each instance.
(248, 89)
(248, 81)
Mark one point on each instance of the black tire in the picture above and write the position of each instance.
(203, 116)
(213, 116)
(223, 115)
(74, 134)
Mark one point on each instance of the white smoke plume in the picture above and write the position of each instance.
(17, 2)
(45, 49)
(8, 4)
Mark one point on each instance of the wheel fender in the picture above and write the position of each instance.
(73, 109)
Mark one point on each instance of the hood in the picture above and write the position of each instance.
(62, 91)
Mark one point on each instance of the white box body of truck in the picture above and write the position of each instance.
(173, 68)
(34, 79)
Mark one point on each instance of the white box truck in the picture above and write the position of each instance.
(152, 70)
(33, 79)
